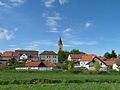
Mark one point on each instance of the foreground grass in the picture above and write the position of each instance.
(54, 75)
(84, 86)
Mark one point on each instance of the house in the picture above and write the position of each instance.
(35, 58)
(3, 61)
(50, 56)
(9, 55)
(81, 60)
(74, 57)
(104, 64)
(23, 57)
(45, 65)
(29, 53)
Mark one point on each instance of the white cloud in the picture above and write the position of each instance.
(48, 3)
(62, 2)
(52, 22)
(11, 3)
(17, 2)
(67, 30)
(37, 44)
(88, 24)
(6, 34)
(4, 5)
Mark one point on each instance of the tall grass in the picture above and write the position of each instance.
(84, 86)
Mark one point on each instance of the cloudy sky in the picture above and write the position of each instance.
(92, 26)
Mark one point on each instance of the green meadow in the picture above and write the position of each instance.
(58, 80)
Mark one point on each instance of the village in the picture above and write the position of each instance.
(50, 60)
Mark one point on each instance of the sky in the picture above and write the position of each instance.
(92, 26)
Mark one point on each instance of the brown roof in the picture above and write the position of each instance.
(49, 64)
(88, 57)
(48, 53)
(10, 54)
(109, 62)
(76, 56)
(32, 64)
(38, 64)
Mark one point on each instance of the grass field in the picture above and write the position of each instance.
(57, 80)
(84, 86)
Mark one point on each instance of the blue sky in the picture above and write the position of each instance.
(92, 26)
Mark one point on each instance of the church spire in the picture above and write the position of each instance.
(60, 45)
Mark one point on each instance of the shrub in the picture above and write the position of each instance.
(79, 70)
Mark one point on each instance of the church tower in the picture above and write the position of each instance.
(60, 45)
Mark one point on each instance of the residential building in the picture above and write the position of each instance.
(44, 65)
(104, 64)
(29, 53)
(23, 57)
(9, 55)
(49, 56)
(81, 60)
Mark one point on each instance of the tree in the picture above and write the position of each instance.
(70, 65)
(113, 54)
(62, 56)
(97, 66)
(75, 51)
(13, 63)
(107, 55)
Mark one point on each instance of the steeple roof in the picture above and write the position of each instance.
(60, 41)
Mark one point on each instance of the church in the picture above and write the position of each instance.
(60, 45)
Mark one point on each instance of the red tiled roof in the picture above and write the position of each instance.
(88, 57)
(37, 64)
(10, 54)
(49, 64)
(16, 54)
(32, 64)
(76, 56)
(109, 62)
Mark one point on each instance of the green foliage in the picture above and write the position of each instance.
(70, 65)
(79, 70)
(70, 86)
(97, 66)
(110, 55)
(75, 51)
(2, 66)
(107, 55)
(113, 54)
(62, 56)
(12, 63)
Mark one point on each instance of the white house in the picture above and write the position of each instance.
(81, 60)
(104, 64)
(23, 57)
(50, 56)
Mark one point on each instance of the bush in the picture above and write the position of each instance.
(79, 70)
